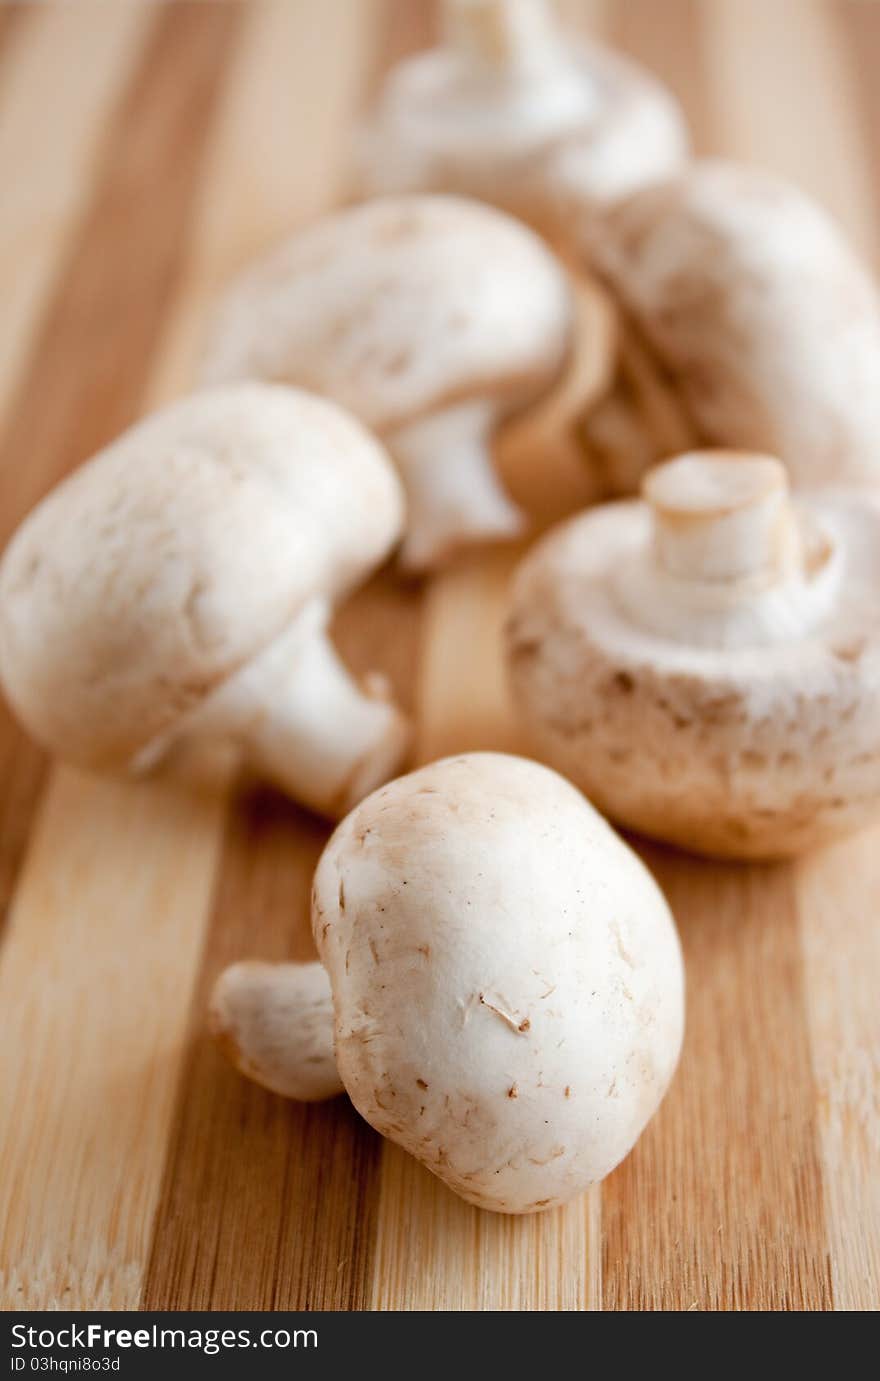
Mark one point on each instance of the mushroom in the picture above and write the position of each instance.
(254, 1008)
(755, 318)
(507, 980)
(180, 585)
(431, 319)
(510, 109)
(705, 662)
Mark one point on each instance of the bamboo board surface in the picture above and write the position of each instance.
(145, 152)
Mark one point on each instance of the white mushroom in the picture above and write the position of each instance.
(510, 109)
(756, 313)
(254, 1009)
(432, 319)
(507, 979)
(181, 582)
(705, 663)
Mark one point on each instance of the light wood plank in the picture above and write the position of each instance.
(62, 75)
(95, 974)
(786, 97)
(720, 1205)
(782, 97)
(839, 897)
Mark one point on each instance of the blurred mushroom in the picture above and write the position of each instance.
(748, 322)
(510, 109)
(180, 585)
(432, 319)
(705, 663)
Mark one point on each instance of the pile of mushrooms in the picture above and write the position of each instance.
(499, 985)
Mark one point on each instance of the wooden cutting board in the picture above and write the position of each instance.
(146, 152)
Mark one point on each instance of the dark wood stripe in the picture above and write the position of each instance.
(90, 364)
(720, 1206)
(308, 1176)
(94, 351)
(860, 24)
(11, 17)
(256, 1210)
(667, 39)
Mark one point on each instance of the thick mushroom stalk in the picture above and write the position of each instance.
(454, 497)
(302, 721)
(509, 38)
(274, 1022)
(725, 520)
(730, 563)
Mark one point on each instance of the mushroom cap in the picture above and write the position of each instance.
(759, 311)
(638, 137)
(399, 307)
(586, 127)
(506, 976)
(170, 559)
(760, 748)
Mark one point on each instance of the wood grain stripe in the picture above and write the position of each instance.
(75, 1228)
(257, 1208)
(307, 1175)
(95, 963)
(75, 62)
(781, 97)
(124, 267)
(720, 1204)
(47, 168)
(264, 174)
(839, 900)
(10, 17)
(860, 24)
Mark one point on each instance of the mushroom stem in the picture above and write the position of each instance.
(274, 1022)
(723, 516)
(454, 495)
(504, 35)
(302, 720)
